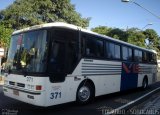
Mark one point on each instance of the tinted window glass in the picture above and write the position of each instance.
(117, 52)
(100, 48)
(94, 47)
(72, 56)
(64, 51)
(124, 53)
(140, 56)
(152, 57)
(144, 57)
(28, 52)
(57, 58)
(130, 54)
(137, 55)
(112, 51)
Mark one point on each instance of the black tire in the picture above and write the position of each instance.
(85, 93)
(145, 83)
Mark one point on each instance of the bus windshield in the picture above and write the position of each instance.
(28, 52)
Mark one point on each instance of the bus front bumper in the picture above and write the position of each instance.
(32, 97)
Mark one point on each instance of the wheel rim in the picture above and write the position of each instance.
(84, 93)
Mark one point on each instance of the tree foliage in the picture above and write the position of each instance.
(118, 34)
(104, 30)
(5, 34)
(23, 13)
(153, 37)
(134, 36)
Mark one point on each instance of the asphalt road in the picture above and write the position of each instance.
(99, 107)
(151, 106)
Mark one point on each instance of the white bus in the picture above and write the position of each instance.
(56, 63)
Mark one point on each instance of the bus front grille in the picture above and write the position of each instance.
(11, 83)
(20, 85)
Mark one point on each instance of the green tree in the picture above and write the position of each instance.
(5, 35)
(104, 30)
(136, 37)
(152, 37)
(23, 13)
(112, 32)
(118, 34)
(154, 40)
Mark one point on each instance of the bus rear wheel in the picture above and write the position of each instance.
(145, 83)
(85, 93)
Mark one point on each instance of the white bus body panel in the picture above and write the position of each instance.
(30, 83)
(110, 82)
(104, 84)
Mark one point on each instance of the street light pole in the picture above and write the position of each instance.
(142, 7)
(147, 25)
(1, 55)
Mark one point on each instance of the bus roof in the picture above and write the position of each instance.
(70, 26)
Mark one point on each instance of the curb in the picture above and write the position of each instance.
(134, 102)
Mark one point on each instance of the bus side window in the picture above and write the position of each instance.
(144, 57)
(94, 47)
(130, 55)
(126, 53)
(152, 57)
(137, 55)
(89, 47)
(117, 54)
(113, 51)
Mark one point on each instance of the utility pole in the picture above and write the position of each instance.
(1, 55)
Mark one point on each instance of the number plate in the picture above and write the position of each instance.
(15, 92)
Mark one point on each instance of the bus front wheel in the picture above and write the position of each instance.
(85, 93)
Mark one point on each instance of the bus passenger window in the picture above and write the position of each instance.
(117, 52)
(130, 56)
(90, 47)
(137, 55)
(113, 51)
(94, 47)
(144, 57)
(126, 53)
(152, 57)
